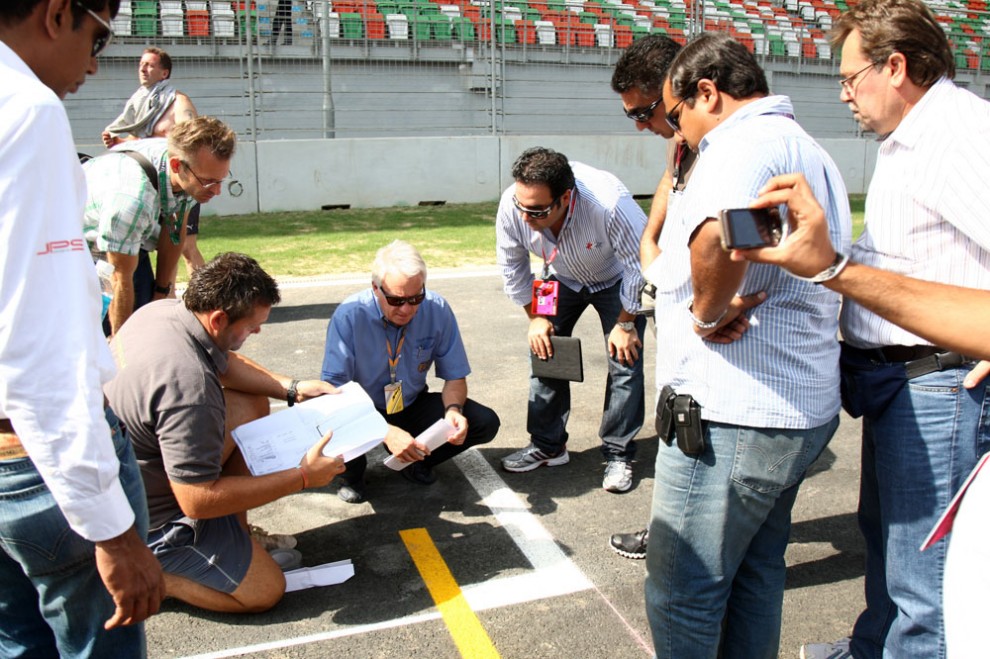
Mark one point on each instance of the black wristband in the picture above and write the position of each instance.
(290, 393)
(164, 290)
(460, 408)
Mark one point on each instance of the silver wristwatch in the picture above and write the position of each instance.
(831, 272)
(626, 326)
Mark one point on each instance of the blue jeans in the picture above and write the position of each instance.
(718, 531)
(624, 408)
(52, 600)
(916, 454)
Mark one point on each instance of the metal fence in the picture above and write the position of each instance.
(361, 68)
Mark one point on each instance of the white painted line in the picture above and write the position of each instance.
(554, 573)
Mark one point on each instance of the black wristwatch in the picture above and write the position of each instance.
(460, 408)
(290, 393)
(163, 290)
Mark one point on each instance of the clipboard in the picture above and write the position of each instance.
(566, 363)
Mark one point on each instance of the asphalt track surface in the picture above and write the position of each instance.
(485, 563)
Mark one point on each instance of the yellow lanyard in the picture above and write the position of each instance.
(393, 361)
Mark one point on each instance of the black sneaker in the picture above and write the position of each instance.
(418, 472)
(630, 545)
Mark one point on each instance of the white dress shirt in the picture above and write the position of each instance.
(597, 246)
(53, 357)
(927, 207)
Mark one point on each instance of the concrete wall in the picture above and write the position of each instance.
(298, 175)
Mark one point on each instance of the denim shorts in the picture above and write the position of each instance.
(213, 552)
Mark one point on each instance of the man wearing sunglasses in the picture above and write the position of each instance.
(924, 407)
(76, 579)
(386, 338)
(758, 407)
(586, 226)
(129, 213)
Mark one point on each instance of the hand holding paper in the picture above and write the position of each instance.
(434, 436)
(319, 469)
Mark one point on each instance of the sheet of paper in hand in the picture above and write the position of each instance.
(280, 440)
(434, 436)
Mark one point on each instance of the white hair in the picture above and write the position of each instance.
(397, 258)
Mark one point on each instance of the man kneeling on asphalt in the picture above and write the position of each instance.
(180, 390)
(385, 338)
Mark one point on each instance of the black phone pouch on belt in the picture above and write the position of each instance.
(679, 415)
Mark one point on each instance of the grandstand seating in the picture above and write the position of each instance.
(777, 28)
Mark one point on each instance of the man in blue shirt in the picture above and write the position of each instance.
(385, 338)
(751, 411)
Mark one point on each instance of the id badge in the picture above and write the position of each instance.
(545, 297)
(393, 398)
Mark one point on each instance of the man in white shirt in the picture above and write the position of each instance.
(68, 485)
(749, 412)
(586, 226)
(923, 419)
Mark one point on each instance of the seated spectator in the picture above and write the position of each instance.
(180, 390)
(385, 338)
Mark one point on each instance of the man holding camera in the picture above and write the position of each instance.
(747, 404)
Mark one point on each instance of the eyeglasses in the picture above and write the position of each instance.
(396, 301)
(848, 83)
(101, 41)
(205, 184)
(535, 213)
(645, 114)
(672, 121)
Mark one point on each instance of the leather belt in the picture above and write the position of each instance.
(917, 360)
(10, 445)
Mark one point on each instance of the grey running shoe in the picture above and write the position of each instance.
(531, 457)
(630, 545)
(835, 650)
(270, 541)
(618, 476)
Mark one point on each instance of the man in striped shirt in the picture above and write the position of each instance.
(758, 407)
(924, 418)
(586, 226)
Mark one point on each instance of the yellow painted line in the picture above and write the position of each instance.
(470, 637)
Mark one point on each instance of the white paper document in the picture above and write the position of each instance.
(434, 436)
(279, 441)
(328, 574)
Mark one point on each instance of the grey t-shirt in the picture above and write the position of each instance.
(168, 394)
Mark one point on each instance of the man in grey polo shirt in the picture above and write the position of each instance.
(180, 389)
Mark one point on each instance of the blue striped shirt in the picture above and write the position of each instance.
(598, 245)
(784, 372)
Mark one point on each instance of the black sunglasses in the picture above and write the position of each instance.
(396, 301)
(672, 121)
(535, 213)
(101, 41)
(645, 114)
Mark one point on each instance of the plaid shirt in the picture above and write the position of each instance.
(122, 205)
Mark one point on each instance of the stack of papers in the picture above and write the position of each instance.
(279, 441)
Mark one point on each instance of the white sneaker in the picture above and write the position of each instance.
(835, 650)
(618, 476)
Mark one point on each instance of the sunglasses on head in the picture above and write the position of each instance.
(101, 41)
(396, 301)
(535, 213)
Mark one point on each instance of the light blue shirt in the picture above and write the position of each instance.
(784, 372)
(356, 346)
(597, 246)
